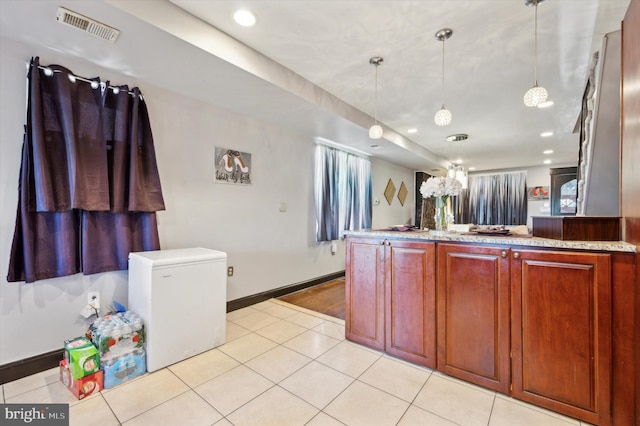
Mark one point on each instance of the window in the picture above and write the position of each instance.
(342, 192)
(568, 193)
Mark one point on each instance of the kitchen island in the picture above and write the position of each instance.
(546, 321)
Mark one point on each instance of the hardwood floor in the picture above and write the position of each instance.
(327, 298)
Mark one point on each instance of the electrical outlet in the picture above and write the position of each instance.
(230, 271)
(93, 299)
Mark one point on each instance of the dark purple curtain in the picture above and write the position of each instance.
(89, 183)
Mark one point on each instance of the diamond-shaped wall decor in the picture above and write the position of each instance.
(402, 193)
(389, 191)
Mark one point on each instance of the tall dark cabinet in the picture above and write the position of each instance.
(564, 191)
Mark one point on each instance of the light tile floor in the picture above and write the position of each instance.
(285, 366)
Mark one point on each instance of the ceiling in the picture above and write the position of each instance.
(305, 65)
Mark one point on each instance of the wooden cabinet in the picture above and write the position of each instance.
(549, 310)
(364, 292)
(561, 332)
(546, 326)
(390, 297)
(473, 314)
(410, 307)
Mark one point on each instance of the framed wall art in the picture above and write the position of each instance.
(402, 193)
(537, 193)
(389, 191)
(231, 166)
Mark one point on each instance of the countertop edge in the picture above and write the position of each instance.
(617, 246)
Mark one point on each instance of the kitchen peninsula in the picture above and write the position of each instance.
(541, 320)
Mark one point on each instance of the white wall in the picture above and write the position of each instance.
(385, 214)
(538, 176)
(268, 248)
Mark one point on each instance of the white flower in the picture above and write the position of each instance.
(440, 186)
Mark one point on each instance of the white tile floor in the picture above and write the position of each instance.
(286, 366)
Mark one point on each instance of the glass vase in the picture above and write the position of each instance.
(442, 223)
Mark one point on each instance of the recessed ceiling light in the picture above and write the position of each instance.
(546, 134)
(471, 168)
(412, 131)
(244, 17)
(545, 104)
(458, 161)
(548, 151)
(547, 161)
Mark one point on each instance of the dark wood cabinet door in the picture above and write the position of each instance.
(364, 288)
(561, 332)
(410, 301)
(473, 314)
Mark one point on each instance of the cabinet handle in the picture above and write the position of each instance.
(504, 253)
(516, 255)
(388, 243)
(382, 242)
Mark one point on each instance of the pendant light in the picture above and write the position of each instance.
(457, 171)
(375, 131)
(537, 94)
(443, 116)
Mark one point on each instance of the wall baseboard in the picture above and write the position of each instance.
(28, 366)
(261, 297)
(35, 364)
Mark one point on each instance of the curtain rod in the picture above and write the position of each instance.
(94, 84)
(341, 147)
(496, 173)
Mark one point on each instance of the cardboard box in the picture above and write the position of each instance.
(84, 386)
(81, 357)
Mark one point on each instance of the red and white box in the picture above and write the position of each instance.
(84, 386)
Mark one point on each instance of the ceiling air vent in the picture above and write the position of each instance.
(98, 29)
(458, 138)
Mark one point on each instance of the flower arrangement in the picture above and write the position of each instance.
(440, 186)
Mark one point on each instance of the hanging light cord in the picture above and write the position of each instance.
(535, 47)
(375, 98)
(443, 40)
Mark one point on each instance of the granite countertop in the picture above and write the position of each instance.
(512, 240)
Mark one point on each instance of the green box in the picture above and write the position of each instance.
(81, 357)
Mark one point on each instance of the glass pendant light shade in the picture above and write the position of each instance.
(375, 131)
(462, 176)
(442, 117)
(534, 96)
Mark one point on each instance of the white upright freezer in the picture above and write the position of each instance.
(181, 296)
